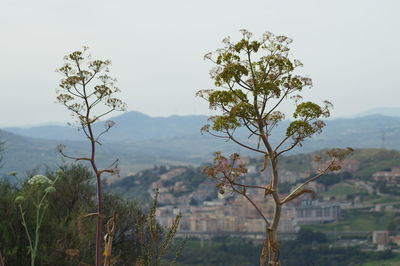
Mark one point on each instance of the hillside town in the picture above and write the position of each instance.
(206, 213)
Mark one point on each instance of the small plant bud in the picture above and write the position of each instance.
(50, 189)
(19, 199)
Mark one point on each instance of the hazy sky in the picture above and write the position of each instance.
(350, 48)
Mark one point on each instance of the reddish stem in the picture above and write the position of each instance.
(1, 260)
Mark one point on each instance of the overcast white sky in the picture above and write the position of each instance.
(350, 48)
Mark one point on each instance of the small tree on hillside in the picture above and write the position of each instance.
(254, 78)
(89, 93)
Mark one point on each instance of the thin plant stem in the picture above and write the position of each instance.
(27, 233)
(1, 260)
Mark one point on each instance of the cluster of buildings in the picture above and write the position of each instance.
(205, 211)
(216, 213)
(391, 177)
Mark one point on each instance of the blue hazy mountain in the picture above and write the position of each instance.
(140, 141)
(387, 111)
(129, 126)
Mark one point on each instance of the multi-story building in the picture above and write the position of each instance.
(315, 212)
(391, 177)
(381, 239)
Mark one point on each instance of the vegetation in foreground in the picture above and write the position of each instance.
(66, 231)
(309, 249)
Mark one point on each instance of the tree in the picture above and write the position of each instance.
(253, 79)
(88, 92)
(308, 236)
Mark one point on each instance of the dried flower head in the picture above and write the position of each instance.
(72, 252)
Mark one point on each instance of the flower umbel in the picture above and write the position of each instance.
(39, 180)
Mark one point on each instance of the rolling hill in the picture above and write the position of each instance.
(140, 141)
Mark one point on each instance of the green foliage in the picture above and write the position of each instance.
(154, 242)
(383, 258)
(219, 251)
(300, 129)
(308, 110)
(334, 178)
(253, 77)
(307, 236)
(373, 160)
(341, 190)
(136, 187)
(298, 162)
(13, 239)
(386, 188)
(237, 252)
(66, 232)
(225, 122)
(394, 224)
(35, 190)
(296, 254)
(357, 220)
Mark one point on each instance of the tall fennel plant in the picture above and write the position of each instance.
(253, 79)
(89, 92)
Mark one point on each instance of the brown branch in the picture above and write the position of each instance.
(246, 123)
(90, 79)
(230, 87)
(288, 149)
(74, 158)
(282, 142)
(102, 133)
(74, 86)
(251, 69)
(103, 114)
(84, 131)
(278, 103)
(108, 239)
(100, 172)
(245, 86)
(243, 145)
(294, 193)
(95, 102)
(218, 136)
(249, 186)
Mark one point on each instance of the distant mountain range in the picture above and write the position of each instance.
(387, 111)
(140, 141)
(130, 126)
